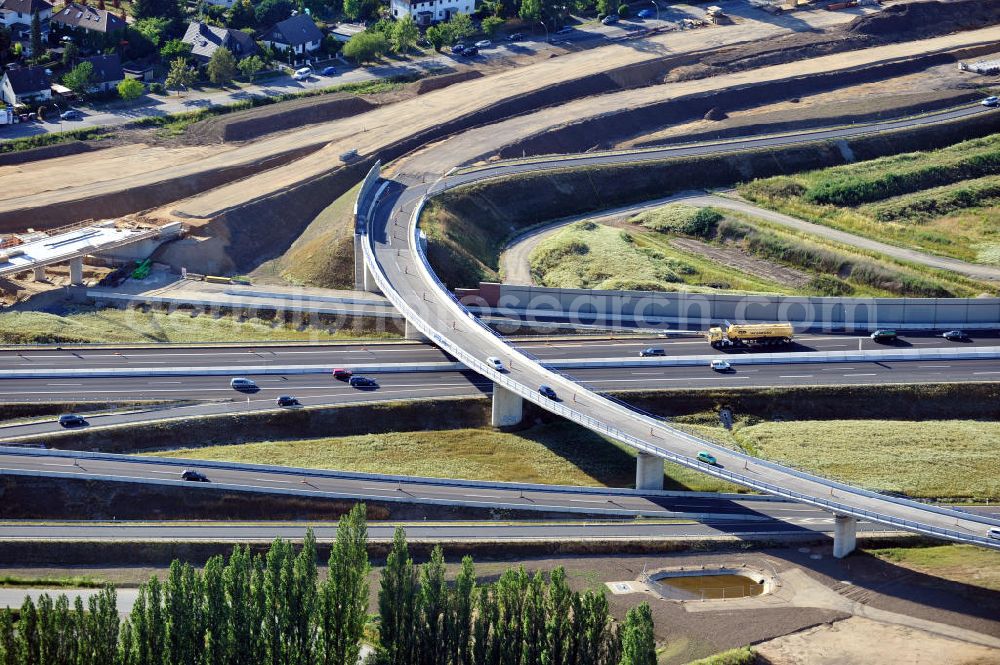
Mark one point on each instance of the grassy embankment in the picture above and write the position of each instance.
(644, 256)
(943, 201)
(740, 656)
(324, 254)
(555, 453)
(135, 326)
(942, 459)
(468, 227)
(67, 582)
(959, 563)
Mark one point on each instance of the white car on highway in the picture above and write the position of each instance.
(991, 101)
(720, 365)
(302, 74)
(496, 364)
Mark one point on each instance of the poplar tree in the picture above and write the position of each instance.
(461, 611)
(138, 629)
(533, 622)
(343, 601)
(182, 594)
(27, 633)
(396, 603)
(510, 589)
(638, 642)
(216, 613)
(104, 626)
(485, 647)
(433, 608)
(8, 640)
(156, 633)
(557, 617)
(277, 578)
(302, 603)
(241, 629)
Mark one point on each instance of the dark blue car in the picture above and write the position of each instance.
(329, 71)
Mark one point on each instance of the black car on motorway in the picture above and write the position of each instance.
(547, 391)
(652, 351)
(286, 400)
(72, 420)
(194, 476)
(362, 382)
(956, 335)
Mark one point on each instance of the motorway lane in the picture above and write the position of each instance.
(346, 355)
(214, 395)
(311, 482)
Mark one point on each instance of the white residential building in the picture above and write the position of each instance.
(425, 12)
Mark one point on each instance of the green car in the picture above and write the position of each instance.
(707, 458)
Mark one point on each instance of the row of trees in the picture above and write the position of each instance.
(273, 609)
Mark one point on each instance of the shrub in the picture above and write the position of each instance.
(828, 285)
(366, 46)
(681, 218)
(623, 10)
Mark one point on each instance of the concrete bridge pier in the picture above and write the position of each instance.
(370, 285)
(507, 407)
(76, 271)
(413, 334)
(648, 472)
(845, 535)
(39, 273)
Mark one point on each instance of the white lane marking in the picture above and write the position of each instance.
(63, 385)
(645, 373)
(682, 378)
(986, 372)
(872, 374)
(795, 376)
(935, 366)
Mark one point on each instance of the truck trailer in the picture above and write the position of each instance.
(749, 334)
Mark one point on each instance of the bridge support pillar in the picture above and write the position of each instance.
(370, 285)
(648, 472)
(39, 273)
(76, 271)
(413, 334)
(845, 535)
(507, 407)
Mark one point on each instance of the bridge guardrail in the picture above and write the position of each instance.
(592, 423)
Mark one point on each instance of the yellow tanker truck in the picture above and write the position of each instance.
(749, 334)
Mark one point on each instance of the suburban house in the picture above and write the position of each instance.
(108, 72)
(207, 39)
(86, 20)
(26, 85)
(425, 12)
(297, 34)
(14, 12)
(16, 15)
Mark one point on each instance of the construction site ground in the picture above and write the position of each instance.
(934, 88)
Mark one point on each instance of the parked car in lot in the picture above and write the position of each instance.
(243, 384)
(706, 457)
(566, 29)
(991, 101)
(496, 364)
(883, 336)
(484, 43)
(470, 51)
(646, 13)
(71, 114)
(71, 420)
(610, 19)
(956, 335)
(302, 74)
(329, 71)
(362, 382)
(194, 476)
(517, 36)
(459, 48)
(342, 374)
(720, 365)
(652, 351)
(547, 391)
(286, 400)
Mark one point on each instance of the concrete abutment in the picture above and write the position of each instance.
(76, 271)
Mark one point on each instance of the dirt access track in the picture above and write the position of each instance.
(64, 189)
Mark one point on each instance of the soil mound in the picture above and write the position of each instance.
(252, 123)
(423, 86)
(925, 18)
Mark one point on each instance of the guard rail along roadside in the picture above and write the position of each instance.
(644, 446)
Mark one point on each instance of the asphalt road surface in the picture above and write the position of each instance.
(345, 355)
(208, 395)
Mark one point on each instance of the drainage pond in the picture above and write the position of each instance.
(720, 586)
